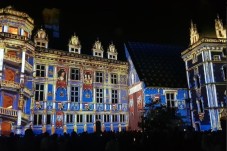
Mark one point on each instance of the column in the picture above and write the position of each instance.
(18, 127)
(53, 122)
(94, 100)
(65, 127)
(1, 58)
(44, 119)
(75, 122)
(81, 92)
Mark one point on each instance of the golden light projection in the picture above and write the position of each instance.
(13, 30)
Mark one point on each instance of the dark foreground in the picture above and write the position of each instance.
(123, 141)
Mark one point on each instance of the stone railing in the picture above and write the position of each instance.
(12, 36)
(28, 66)
(28, 91)
(8, 112)
(12, 58)
(9, 84)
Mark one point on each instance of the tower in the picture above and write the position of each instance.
(205, 63)
(16, 61)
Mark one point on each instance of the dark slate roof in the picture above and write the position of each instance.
(158, 65)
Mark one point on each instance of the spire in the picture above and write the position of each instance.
(219, 28)
(194, 35)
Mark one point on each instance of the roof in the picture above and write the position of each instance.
(158, 65)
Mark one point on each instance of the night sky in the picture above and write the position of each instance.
(155, 21)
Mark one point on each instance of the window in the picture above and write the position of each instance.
(114, 118)
(106, 118)
(72, 50)
(114, 78)
(224, 72)
(99, 77)
(37, 119)
(200, 106)
(170, 98)
(89, 118)
(75, 74)
(197, 82)
(40, 70)
(39, 92)
(98, 117)
(38, 43)
(13, 30)
(224, 52)
(48, 119)
(122, 118)
(99, 95)
(216, 58)
(79, 118)
(74, 93)
(69, 118)
(114, 96)
(194, 59)
(43, 44)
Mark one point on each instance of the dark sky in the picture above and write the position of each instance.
(155, 21)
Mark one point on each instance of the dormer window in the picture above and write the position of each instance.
(41, 39)
(112, 52)
(97, 49)
(74, 44)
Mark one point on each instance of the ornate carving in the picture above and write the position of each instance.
(194, 35)
(98, 46)
(220, 30)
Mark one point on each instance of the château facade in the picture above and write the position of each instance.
(205, 63)
(58, 91)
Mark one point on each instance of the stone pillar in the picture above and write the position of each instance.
(18, 127)
(65, 127)
(1, 58)
(44, 119)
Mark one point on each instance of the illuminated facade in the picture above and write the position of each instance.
(16, 61)
(57, 91)
(153, 78)
(205, 63)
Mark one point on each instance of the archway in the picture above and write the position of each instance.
(6, 128)
(98, 126)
